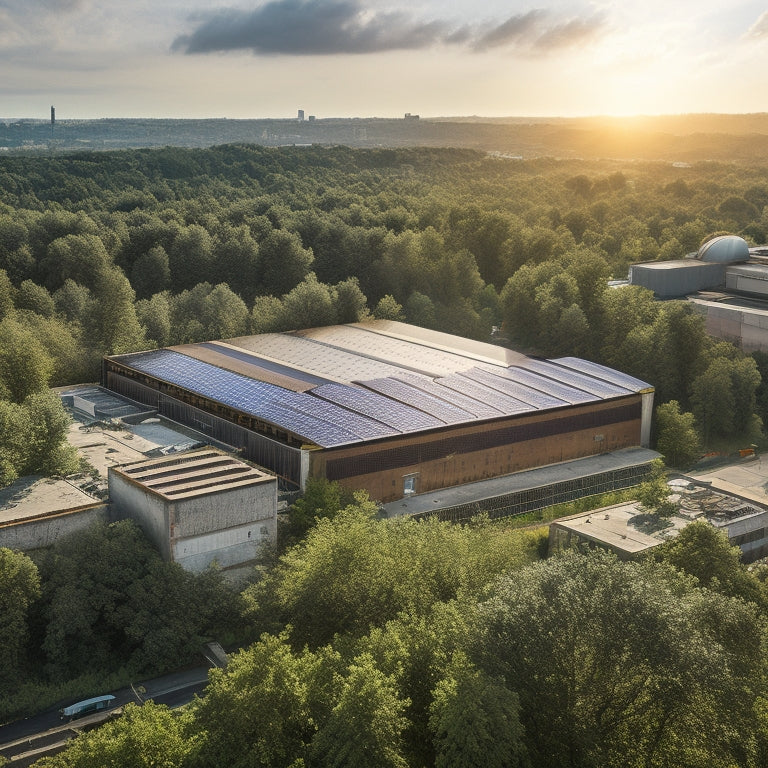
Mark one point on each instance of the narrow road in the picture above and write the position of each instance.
(25, 741)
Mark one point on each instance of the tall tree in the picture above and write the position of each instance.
(677, 439)
(623, 664)
(19, 587)
(113, 324)
(25, 366)
(476, 721)
(366, 725)
(283, 262)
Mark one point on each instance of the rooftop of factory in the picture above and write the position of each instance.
(350, 383)
(628, 530)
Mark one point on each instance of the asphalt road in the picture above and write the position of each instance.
(173, 690)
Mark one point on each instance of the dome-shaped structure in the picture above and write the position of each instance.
(725, 249)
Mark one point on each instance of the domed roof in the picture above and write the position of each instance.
(725, 249)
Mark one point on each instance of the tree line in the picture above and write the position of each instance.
(113, 252)
(399, 644)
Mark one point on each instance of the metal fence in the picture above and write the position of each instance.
(534, 499)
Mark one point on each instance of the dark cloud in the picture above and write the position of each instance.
(538, 31)
(513, 30)
(311, 27)
(327, 27)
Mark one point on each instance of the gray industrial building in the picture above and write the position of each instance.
(195, 502)
(198, 507)
(726, 281)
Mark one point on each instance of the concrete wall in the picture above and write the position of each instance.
(227, 509)
(230, 547)
(46, 531)
(743, 326)
(146, 509)
(229, 526)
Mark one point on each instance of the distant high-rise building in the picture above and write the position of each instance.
(301, 115)
(53, 116)
(311, 118)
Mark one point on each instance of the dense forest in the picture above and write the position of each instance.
(399, 644)
(113, 252)
(370, 642)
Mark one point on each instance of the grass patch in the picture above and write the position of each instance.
(585, 504)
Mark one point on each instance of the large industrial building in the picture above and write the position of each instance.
(392, 408)
(726, 281)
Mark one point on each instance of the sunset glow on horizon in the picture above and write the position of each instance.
(365, 58)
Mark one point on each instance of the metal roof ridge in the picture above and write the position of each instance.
(375, 326)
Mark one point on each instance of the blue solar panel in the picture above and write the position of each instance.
(603, 372)
(480, 410)
(506, 404)
(542, 384)
(534, 397)
(602, 389)
(397, 415)
(405, 393)
(299, 413)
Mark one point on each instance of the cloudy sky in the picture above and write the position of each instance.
(268, 58)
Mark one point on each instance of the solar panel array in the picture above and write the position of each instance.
(389, 350)
(504, 403)
(389, 399)
(397, 389)
(269, 365)
(535, 397)
(320, 359)
(602, 389)
(603, 372)
(477, 408)
(556, 389)
(304, 415)
(399, 416)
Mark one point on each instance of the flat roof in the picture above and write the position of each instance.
(664, 266)
(32, 497)
(620, 528)
(345, 384)
(613, 527)
(195, 473)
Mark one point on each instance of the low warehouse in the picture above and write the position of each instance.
(199, 506)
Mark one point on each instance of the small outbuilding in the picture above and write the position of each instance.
(199, 506)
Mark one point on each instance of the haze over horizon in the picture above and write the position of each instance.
(360, 58)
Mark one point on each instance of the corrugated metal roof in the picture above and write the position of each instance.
(308, 382)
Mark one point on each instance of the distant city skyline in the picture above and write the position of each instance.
(380, 58)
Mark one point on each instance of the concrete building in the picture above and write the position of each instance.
(392, 408)
(35, 512)
(199, 506)
(623, 529)
(195, 505)
(725, 280)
